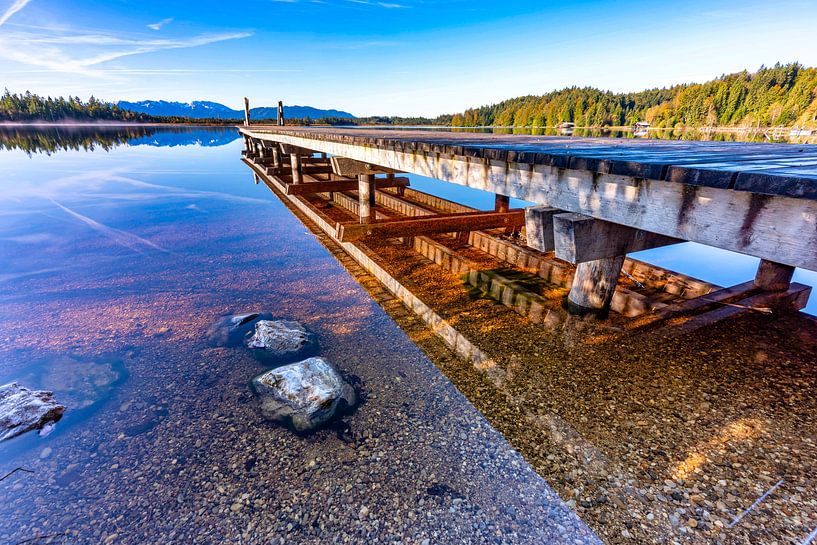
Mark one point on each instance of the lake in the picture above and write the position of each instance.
(120, 248)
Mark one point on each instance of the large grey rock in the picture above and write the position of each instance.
(22, 410)
(303, 395)
(281, 338)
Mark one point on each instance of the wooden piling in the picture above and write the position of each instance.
(280, 113)
(593, 286)
(502, 203)
(297, 172)
(773, 276)
(539, 227)
(366, 193)
(246, 112)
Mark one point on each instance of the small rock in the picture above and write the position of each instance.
(22, 410)
(364, 512)
(45, 453)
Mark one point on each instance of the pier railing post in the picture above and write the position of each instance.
(280, 113)
(366, 195)
(773, 276)
(246, 112)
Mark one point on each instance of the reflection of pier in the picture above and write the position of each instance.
(598, 201)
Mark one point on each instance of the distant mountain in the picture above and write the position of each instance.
(213, 110)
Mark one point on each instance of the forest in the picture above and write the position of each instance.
(31, 107)
(782, 95)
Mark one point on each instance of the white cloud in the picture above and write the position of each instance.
(16, 6)
(160, 24)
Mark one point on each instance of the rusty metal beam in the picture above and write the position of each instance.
(444, 223)
(308, 188)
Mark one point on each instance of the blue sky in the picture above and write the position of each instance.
(398, 57)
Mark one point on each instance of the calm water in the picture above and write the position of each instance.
(119, 249)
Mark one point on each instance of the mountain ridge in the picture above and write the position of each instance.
(202, 109)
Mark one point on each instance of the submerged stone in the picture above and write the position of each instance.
(232, 330)
(22, 410)
(281, 338)
(303, 395)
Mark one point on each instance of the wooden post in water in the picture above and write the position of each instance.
(594, 285)
(295, 161)
(598, 248)
(276, 155)
(246, 112)
(366, 194)
(280, 113)
(773, 276)
(502, 203)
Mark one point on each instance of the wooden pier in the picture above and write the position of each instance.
(596, 201)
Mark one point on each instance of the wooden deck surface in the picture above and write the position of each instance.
(763, 168)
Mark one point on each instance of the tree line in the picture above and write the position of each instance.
(782, 95)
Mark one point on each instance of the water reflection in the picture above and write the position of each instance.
(50, 139)
(119, 253)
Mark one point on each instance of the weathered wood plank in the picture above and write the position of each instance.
(578, 238)
(447, 223)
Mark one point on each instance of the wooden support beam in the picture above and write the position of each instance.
(579, 238)
(365, 195)
(289, 149)
(539, 227)
(593, 286)
(246, 112)
(295, 162)
(316, 169)
(280, 113)
(309, 188)
(444, 223)
(343, 166)
(773, 276)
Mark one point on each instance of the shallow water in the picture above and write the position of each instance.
(119, 253)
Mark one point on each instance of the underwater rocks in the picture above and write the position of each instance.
(281, 338)
(22, 410)
(303, 395)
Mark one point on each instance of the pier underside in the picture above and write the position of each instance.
(652, 434)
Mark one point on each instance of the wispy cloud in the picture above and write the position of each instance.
(16, 6)
(84, 52)
(160, 24)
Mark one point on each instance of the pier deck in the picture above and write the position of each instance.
(599, 199)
